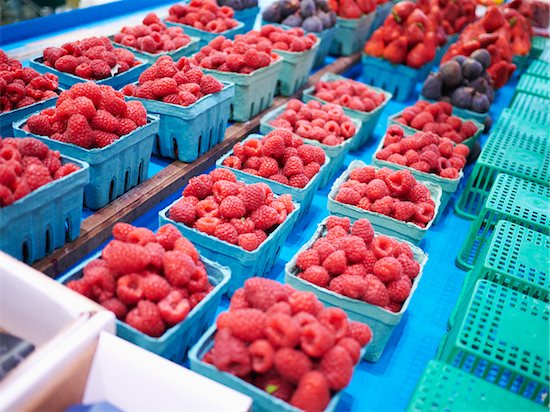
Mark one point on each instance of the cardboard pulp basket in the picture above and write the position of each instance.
(177, 340)
(470, 142)
(336, 153)
(368, 119)
(448, 186)
(303, 196)
(8, 118)
(207, 36)
(47, 218)
(295, 69)
(66, 80)
(350, 35)
(187, 132)
(384, 224)
(114, 169)
(254, 92)
(150, 58)
(381, 321)
(247, 17)
(243, 264)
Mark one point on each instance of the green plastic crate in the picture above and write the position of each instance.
(539, 68)
(545, 55)
(444, 388)
(538, 45)
(532, 121)
(524, 102)
(517, 258)
(502, 338)
(534, 85)
(512, 199)
(510, 149)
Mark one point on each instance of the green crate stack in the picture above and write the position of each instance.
(502, 338)
(444, 388)
(517, 258)
(537, 86)
(538, 45)
(525, 102)
(512, 199)
(512, 148)
(539, 68)
(529, 119)
(545, 55)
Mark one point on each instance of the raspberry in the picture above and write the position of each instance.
(376, 293)
(268, 167)
(316, 339)
(209, 84)
(79, 131)
(419, 193)
(273, 146)
(174, 308)
(230, 354)
(275, 385)
(401, 182)
(352, 347)
(122, 230)
(101, 282)
(353, 286)
(312, 393)
(388, 269)
(282, 330)
(207, 224)
(336, 263)
(337, 366)
(232, 207)
(115, 306)
(222, 174)
(383, 246)
(299, 181)
(247, 324)
(309, 153)
(348, 196)
(136, 113)
(264, 293)
(200, 187)
(29, 146)
(360, 332)
(125, 257)
(40, 125)
(264, 217)
(167, 236)
(146, 318)
(311, 169)
(449, 173)
(333, 221)
(65, 170)
(317, 275)
(183, 212)
(336, 233)
(400, 289)
(404, 211)
(308, 258)
(336, 320)
(129, 288)
(363, 174)
(178, 267)
(261, 354)
(223, 188)
(363, 229)
(291, 364)
(411, 267)
(354, 248)
(377, 189)
(227, 233)
(248, 241)
(141, 236)
(424, 212)
(155, 287)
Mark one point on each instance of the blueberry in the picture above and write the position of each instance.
(313, 24)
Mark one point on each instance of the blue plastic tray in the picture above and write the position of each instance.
(114, 169)
(295, 69)
(66, 80)
(46, 218)
(177, 340)
(247, 17)
(206, 36)
(302, 196)
(243, 264)
(368, 120)
(150, 58)
(187, 132)
(381, 321)
(8, 118)
(350, 35)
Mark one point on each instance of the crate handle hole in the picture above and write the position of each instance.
(25, 252)
(68, 229)
(49, 241)
(175, 146)
(127, 180)
(112, 190)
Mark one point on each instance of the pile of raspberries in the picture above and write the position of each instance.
(349, 93)
(150, 281)
(203, 15)
(287, 343)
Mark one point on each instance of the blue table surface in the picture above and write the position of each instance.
(388, 384)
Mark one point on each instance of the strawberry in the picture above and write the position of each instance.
(395, 52)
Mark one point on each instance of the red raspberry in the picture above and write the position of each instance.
(336, 233)
(308, 258)
(141, 236)
(400, 289)
(248, 241)
(156, 251)
(232, 207)
(115, 306)
(129, 288)
(273, 146)
(402, 248)
(65, 170)
(337, 366)
(291, 364)
(223, 188)
(178, 267)
(200, 187)
(348, 196)
(312, 393)
(263, 293)
(36, 176)
(316, 339)
(304, 302)
(268, 167)
(388, 269)
(401, 182)
(384, 206)
(317, 275)
(449, 173)
(468, 129)
(243, 225)
(352, 347)
(227, 233)
(183, 212)
(174, 308)
(100, 280)
(421, 119)
(376, 293)
(247, 324)
(103, 139)
(261, 355)
(411, 267)
(209, 84)
(354, 248)
(125, 257)
(363, 174)
(335, 319)
(363, 229)
(360, 332)
(424, 212)
(155, 287)
(353, 286)
(230, 354)
(333, 221)
(383, 246)
(282, 330)
(336, 263)
(419, 193)
(167, 236)
(377, 189)
(29, 146)
(404, 210)
(264, 217)
(79, 132)
(146, 318)
(207, 224)
(222, 174)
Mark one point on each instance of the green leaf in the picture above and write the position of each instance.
(271, 389)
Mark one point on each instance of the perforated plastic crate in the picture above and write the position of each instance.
(545, 55)
(538, 45)
(8, 118)
(381, 321)
(539, 86)
(525, 102)
(295, 69)
(177, 340)
(512, 150)
(531, 121)
(502, 338)
(187, 50)
(247, 17)
(513, 199)
(517, 258)
(207, 36)
(187, 132)
(384, 224)
(350, 35)
(47, 218)
(539, 68)
(368, 120)
(444, 388)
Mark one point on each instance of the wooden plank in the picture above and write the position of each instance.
(97, 228)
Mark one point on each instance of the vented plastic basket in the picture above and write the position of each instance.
(521, 62)
(263, 401)
(254, 92)
(247, 17)
(538, 45)
(381, 321)
(8, 118)
(302, 196)
(337, 153)
(539, 68)
(538, 86)
(66, 80)
(243, 264)
(502, 338)
(368, 119)
(177, 340)
(525, 102)
(206, 36)
(448, 186)
(533, 122)
(444, 388)
(114, 169)
(400, 80)
(384, 224)
(295, 69)
(187, 132)
(512, 199)
(150, 58)
(47, 218)
(350, 35)
(517, 258)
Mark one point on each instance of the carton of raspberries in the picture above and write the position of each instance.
(286, 343)
(21, 87)
(279, 156)
(180, 83)
(204, 15)
(436, 118)
(151, 281)
(26, 164)
(93, 58)
(89, 116)
(219, 205)
(387, 193)
(353, 261)
(323, 123)
(153, 36)
(424, 152)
